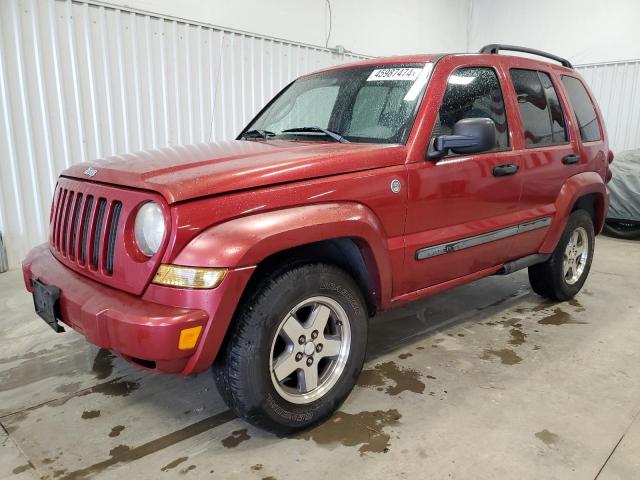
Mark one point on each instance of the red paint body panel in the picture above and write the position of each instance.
(575, 187)
(263, 214)
(219, 304)
(441, 287)
(457, 198)
(233, 204)
(112, 319)
(185, 172)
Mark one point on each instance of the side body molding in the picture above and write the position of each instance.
(246, 241)
(577, 186)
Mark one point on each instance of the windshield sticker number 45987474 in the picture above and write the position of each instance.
(394, 74)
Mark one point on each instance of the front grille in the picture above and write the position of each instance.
(91, 229)
(84, 228)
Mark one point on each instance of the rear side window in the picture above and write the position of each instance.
(473, 92)
(540, 109)
(582, 106)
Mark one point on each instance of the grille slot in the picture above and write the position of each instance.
(74, 226)
(58, 219)
(64, 234)
(85, 229)
(54, 215)
(97, 233)
(111, 242)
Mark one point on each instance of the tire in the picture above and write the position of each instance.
(251, 370)
(621, 229)
(550, 279)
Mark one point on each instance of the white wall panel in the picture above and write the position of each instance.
(616, 87)
(583, 31)
(80, 80)
(374, 27)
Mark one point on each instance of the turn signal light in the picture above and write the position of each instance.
(189, 277)
(189, 338)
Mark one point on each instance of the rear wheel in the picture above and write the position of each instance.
(295, 350)
(562, 276)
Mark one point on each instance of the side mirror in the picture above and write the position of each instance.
(470, 135)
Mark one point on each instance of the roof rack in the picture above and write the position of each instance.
(496, 47)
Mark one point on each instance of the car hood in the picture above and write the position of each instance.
(189, 171)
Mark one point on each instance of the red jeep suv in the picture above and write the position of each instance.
(356, 189)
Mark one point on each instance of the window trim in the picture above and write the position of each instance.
(567, 130)
(508, 147)
(565, 127)
(593, 105)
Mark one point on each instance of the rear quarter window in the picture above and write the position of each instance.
(583, 108)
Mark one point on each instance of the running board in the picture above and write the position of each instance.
(523, 262)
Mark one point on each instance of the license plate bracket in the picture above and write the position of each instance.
(46, 302)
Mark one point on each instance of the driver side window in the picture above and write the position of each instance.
(473, 92)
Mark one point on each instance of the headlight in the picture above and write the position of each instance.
(149, 228)
(189, 277)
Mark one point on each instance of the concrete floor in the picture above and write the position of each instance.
(486, 381)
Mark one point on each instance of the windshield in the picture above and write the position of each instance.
(367, 104)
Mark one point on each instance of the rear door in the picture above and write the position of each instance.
(460, 213)
(590, 134)
(549, 154)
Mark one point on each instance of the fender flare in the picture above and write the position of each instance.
(247, 241)
(575, 187)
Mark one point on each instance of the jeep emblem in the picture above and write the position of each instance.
(90, 172)
(395, 185)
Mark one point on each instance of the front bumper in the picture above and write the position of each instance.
(141, 328)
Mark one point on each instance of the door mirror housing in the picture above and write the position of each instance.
(470, 135)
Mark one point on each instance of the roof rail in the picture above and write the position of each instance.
(496, 47)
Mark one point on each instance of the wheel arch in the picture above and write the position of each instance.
(349, 254)
(584, 191)
(593, 204)
(346, 234)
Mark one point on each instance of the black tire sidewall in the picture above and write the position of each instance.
(263, 317)
(610, 228)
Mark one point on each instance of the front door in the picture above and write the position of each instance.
(462, 208)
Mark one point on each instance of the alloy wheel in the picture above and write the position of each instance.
(576, 254)
(310, 350)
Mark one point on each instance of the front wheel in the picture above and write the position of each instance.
(295, 350)
(562, 276)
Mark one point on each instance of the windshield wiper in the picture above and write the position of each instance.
(336, 136)
(257, 133)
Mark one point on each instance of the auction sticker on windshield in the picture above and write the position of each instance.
(394, 74)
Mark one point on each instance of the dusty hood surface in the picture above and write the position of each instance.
(190, 171)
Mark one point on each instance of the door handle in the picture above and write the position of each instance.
(570, 159)
(504, 170)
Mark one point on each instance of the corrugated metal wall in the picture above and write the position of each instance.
(616, 87)
(81, 80)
